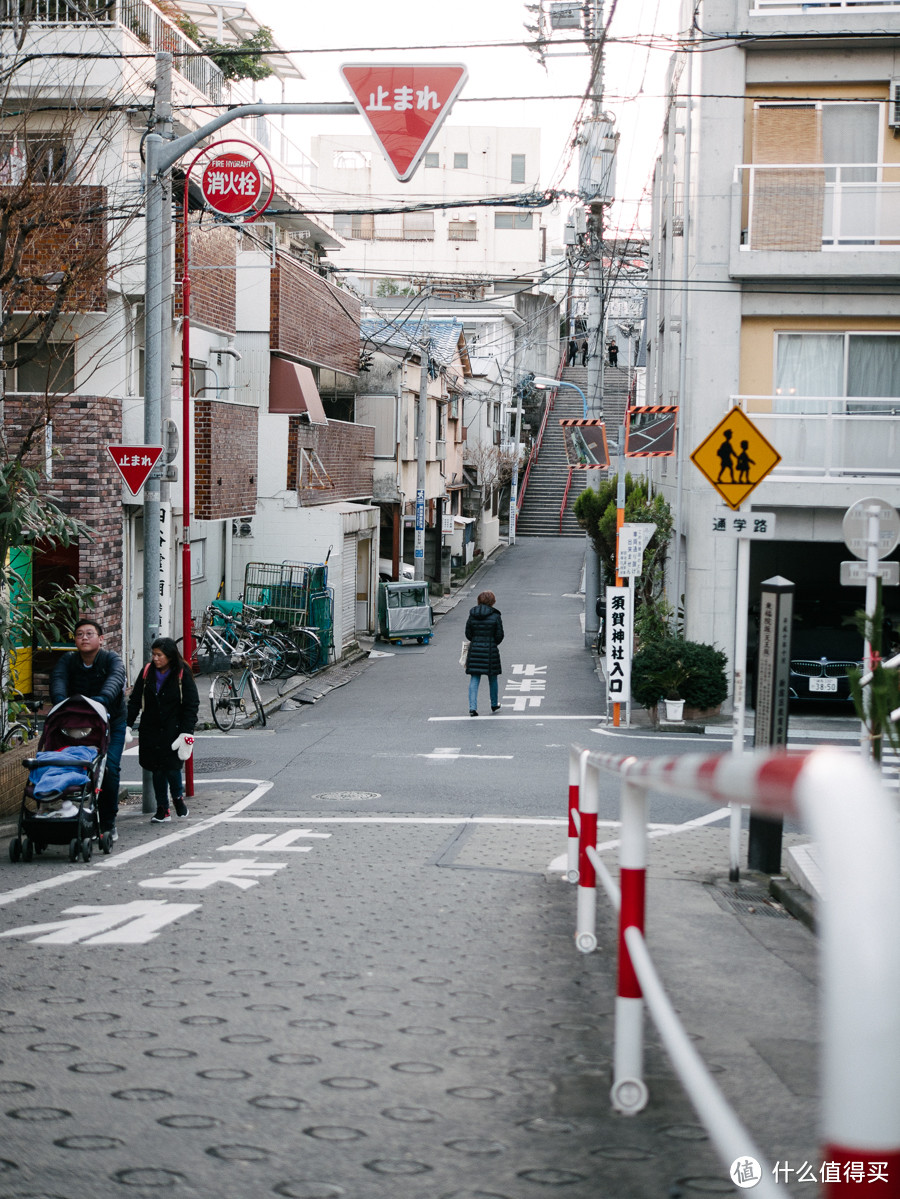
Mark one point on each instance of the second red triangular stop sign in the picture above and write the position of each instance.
(404, 105)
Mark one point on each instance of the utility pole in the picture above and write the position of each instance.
(421, 443)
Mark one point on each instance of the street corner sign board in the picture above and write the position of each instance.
(134, 463)
(735, 457)
(404, 105)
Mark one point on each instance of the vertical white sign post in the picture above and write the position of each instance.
(618, 645)
(634, 536)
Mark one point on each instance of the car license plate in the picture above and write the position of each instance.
(823, 684)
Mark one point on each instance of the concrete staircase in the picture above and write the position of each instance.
(539, 516)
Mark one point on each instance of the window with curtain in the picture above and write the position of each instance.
(809, 365)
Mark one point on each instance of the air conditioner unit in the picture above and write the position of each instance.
(894, 107)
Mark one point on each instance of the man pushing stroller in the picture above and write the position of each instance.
(99, 674)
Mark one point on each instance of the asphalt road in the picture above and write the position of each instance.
(349, 973)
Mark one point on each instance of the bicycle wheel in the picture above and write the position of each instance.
(16, 734)
(224, 702)
(309, 649)
(257, 702)
(285, 653)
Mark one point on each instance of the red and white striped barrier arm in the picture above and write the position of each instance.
(853, 820)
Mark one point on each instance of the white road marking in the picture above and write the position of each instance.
(274, 843)
(138, 922)
(44, 885)
(451, 753)
(543, 716)
(561, 864)
(242, 873)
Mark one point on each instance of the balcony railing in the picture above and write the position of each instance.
(805, 5)
(829, 437)
(817, 206)
(147, 24)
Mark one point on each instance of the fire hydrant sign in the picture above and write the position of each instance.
(404, 105)
(135, 462)
(231, 184)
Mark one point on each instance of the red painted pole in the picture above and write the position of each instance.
(187, 631)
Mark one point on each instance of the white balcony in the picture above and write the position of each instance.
(829, 438)
(766, 6)
(817, 219)
(151, 28)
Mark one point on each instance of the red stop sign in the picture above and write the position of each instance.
(231, 184)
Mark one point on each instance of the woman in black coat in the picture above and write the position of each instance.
(165, 695)
(484, 629)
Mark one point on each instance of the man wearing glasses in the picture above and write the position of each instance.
(99, 674)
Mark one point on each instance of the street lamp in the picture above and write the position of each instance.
(542, 383)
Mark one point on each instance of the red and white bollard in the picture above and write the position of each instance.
(576, 770)
(586, 917)
(629, 1092)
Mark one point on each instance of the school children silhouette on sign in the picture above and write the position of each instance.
(726, 456)
(743, 462)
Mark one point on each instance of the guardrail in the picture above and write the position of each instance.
(854, 822)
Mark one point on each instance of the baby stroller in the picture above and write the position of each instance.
(59, 804)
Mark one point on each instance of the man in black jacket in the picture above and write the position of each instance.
(99, 674)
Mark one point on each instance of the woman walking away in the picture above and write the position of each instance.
(484, 629)
(165, 695)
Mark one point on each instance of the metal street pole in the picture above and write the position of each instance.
(421, 447)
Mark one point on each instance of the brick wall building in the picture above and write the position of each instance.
(345, 451)
(313, 320)
(211, 265)
(225, 464)
(84, 481)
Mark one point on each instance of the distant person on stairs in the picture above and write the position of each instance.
(613, 353)
(584, 352)
(484, 630)
(573, 352)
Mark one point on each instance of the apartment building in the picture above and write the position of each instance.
(774, 287)
(484, 262)
(267, 464)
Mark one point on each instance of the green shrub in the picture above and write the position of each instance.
(677, 669)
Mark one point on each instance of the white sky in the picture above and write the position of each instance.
(391, 31)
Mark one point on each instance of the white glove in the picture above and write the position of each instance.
(129, 736)
(184, 745)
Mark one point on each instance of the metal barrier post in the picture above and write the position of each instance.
(629, 1092)
(576, 770)
(586, 919)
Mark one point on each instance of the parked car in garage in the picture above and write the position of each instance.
(820, 660)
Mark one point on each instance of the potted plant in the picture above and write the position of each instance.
(678, 672)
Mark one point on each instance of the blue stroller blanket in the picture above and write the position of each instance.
(51, 777)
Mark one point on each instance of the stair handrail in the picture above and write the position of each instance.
(532, 457)
(565, 499)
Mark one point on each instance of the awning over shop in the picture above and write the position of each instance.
(293, 391)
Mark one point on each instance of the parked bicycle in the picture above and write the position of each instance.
(275, 653)
(18, 721)
(306, 644)
(226, 697)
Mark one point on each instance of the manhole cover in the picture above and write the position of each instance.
(749, 903)
(214, 765)
(346, 796)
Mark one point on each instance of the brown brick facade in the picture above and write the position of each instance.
(70, 232)
(86, 485)
(225, 446)
(212, 291)
(312, 319)
(345, 451)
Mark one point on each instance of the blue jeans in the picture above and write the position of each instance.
(109, 792)
(474, 680)
(167, 780)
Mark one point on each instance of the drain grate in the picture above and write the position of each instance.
(749, 903)
(216, 765)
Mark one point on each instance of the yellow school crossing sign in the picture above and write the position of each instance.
(735, 457)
